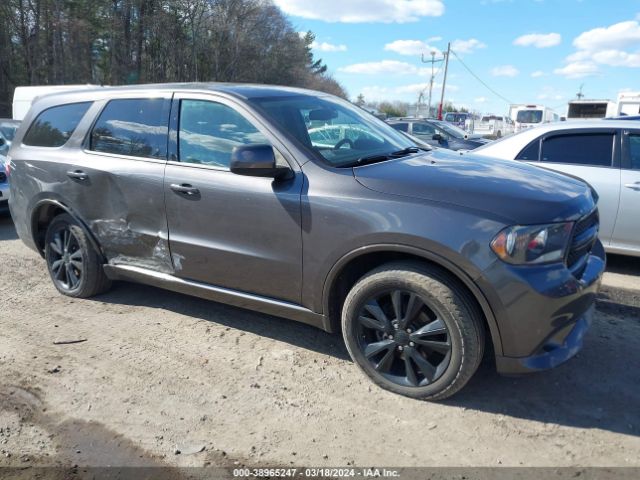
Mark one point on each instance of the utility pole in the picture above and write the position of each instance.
(433, 61)
(580, 95)
(444, 81)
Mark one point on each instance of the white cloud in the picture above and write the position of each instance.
(360, 11)
(411, 47)
(577, 70)
(603, 46)
(383, 67)
(616, 36)
(537, 74)
(328, 47)
(467, 46)
(480, 100)
(404, 92)
(538, 40)
(505, 71)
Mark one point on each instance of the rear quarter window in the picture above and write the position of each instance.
(55, 125)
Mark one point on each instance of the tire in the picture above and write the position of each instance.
(499, 134)
(445, 330)
(74, 264)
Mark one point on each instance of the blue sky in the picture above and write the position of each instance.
(529, 51)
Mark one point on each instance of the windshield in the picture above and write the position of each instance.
(8, 130)
(335, 130)
(529, 116)
(455, 117)
(451, 129)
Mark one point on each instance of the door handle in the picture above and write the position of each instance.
(633, 186)
(77, 175)
(184, 189)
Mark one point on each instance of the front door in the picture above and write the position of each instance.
(626, 235)
(228, 230)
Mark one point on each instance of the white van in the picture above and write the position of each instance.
(590, 109)
(527, 116)
(24, 96)
(628, 103)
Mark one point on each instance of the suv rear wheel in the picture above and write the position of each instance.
(74, 265)
(413, 330)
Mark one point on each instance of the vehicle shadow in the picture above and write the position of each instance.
(623, 264)
(590, 391)
(283, 330)
(7, 229)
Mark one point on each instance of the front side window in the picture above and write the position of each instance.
(209, 131)
(634, 151)
(334, 130)
(55, 125)
(595, 149)
(133, 127)
(531, 152)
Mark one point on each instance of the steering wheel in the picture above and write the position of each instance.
(342, 142)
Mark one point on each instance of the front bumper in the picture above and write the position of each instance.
(543, 313)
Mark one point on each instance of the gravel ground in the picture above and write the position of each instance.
(162, 373)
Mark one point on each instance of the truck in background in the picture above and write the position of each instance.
(628, 103)
(23, 97)
(590, 109)
(527, 116)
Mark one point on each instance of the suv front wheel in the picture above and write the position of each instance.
(413, 330)
(74, 264)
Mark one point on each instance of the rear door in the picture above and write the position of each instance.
(626, 235)
(110, 172)
(594, 156)
(238, 232)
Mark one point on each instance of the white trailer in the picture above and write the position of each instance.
(23, 97)
(628, 103)
(590, 109)
(527, 116)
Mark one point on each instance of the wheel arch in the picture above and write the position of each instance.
(355, 264)
(42, 215)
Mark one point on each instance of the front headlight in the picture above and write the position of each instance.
(535, 244)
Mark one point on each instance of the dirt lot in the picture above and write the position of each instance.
(162, 372)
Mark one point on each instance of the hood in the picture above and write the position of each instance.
(516, 192)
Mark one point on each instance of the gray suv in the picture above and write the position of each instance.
(301, 205)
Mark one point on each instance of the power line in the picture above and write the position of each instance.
(480, 80)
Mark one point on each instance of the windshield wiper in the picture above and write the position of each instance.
(381, 157)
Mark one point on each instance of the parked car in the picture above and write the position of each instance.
(439, 134)
(463, 120)
(605, 154)
(4, 186)
(494, 126)
(8, 129)
(219, 191)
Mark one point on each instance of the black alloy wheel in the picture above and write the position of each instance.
(404, 338)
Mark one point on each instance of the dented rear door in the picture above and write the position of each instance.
(115, 181)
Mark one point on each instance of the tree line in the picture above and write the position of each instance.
(119, 42)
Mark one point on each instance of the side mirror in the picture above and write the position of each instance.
(2, 142)
(256, 160)
(437, 137)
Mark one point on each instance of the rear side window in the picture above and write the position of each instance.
(54, 126)
(595, 149)
(531, 152)
(423, 129)
(133, 127)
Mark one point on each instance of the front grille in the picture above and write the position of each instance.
(585, 234)
(3, 177)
